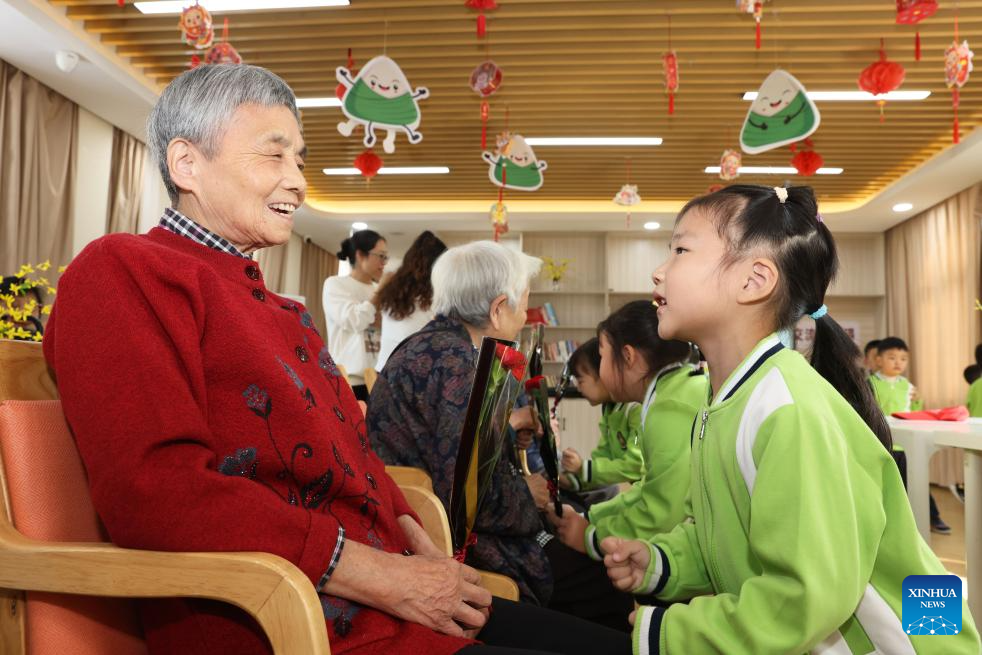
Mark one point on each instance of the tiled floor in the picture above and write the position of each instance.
(950, 549)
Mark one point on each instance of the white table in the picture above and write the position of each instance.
(917, 439)
(968, 437)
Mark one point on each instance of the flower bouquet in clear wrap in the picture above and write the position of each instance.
(537, 390)
(497, 383)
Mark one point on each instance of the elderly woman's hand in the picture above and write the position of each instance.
(419, 542)
(441, 594)
(437, 592)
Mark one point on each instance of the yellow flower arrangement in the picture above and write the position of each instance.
(555, 269)
(12, 314)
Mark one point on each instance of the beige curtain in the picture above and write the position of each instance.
(38, 140)
(273, 262)
(316, 265)
(933, 277)
(125, 183)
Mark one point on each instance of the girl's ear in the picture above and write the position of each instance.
(631, 356)
(760, 281)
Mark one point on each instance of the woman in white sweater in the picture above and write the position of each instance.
(405, 298)
(353, 320)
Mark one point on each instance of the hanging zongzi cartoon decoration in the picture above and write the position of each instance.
(196, 27)
(513, 164)
(380, 97)
(882, 77)
(781, 114)
(340, 90)
(912, 12)
(628, 197)
(729, 165)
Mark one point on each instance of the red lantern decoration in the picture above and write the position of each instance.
(341, 89)
(121, 2)
(482, 6)
(911, 12)
(368, 164)
(881, 77)
(806, 162)
(670, 63)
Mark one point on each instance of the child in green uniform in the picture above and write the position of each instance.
(637, 365)
(800, 534)
(617, 457)
(894, 392)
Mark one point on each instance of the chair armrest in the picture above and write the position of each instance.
(268, 587)
(499, 585)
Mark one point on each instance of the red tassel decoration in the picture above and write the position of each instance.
(482, 26)
(917, 45)
(485, 110)
(758, 35)
(758, 9)
(955, 136)
(671, 103)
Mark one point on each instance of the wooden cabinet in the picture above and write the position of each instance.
(579, 425)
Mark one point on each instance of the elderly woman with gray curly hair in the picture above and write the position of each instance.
(211, 417)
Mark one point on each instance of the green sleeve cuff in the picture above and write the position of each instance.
(592, 543)
(655, 574)
(646, 636)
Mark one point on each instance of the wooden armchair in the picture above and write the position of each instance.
(61, 581)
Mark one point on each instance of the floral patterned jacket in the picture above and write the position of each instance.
(415, 416)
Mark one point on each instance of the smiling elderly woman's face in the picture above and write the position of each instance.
(248, 190)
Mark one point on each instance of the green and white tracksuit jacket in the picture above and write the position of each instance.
(617, 457)
(894, 395)
(799, 527)
(657, 502)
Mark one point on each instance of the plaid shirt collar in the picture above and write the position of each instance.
(178, 223)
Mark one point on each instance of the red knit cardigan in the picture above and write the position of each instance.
(210, 417)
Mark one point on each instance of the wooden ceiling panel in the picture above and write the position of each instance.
(588, 68)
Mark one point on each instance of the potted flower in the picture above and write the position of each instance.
(555, 270)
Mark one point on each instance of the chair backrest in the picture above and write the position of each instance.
(410, 476)
(432, 514)
(45, 495)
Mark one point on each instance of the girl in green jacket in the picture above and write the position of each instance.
(638, 366)
(799, 533)
(617, 457)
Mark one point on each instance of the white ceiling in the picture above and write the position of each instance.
(31, 31)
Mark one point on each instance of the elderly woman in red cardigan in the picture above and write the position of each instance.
(211, 417)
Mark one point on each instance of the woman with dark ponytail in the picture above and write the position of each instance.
(350, 307)
(801, 533)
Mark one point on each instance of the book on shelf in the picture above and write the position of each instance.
(560, 351)
(546, 314)
(551, 314)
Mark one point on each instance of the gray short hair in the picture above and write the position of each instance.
(198, 104)
(467, 278)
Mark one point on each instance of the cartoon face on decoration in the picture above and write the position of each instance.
(782, 114)
(486, 78)
(627, 196)
(513, 164)
(729, 165)
(196, 25)
(957, 64)
(380, 96)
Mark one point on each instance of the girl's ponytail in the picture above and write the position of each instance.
(836, 357)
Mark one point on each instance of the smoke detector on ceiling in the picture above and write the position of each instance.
(66, 60)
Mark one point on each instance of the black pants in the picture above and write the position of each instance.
(583, 589)
(524, 629)
(361, 392)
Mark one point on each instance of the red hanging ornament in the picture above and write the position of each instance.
(341, 89)
(911, 12)
(756, 8)
(223, 53)
(670, 63)
(957, 68)
(196, 27)
(482, 6)
(485, 81)
(806, 162)
(881, 77)
(121, 3)
(368, 164)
